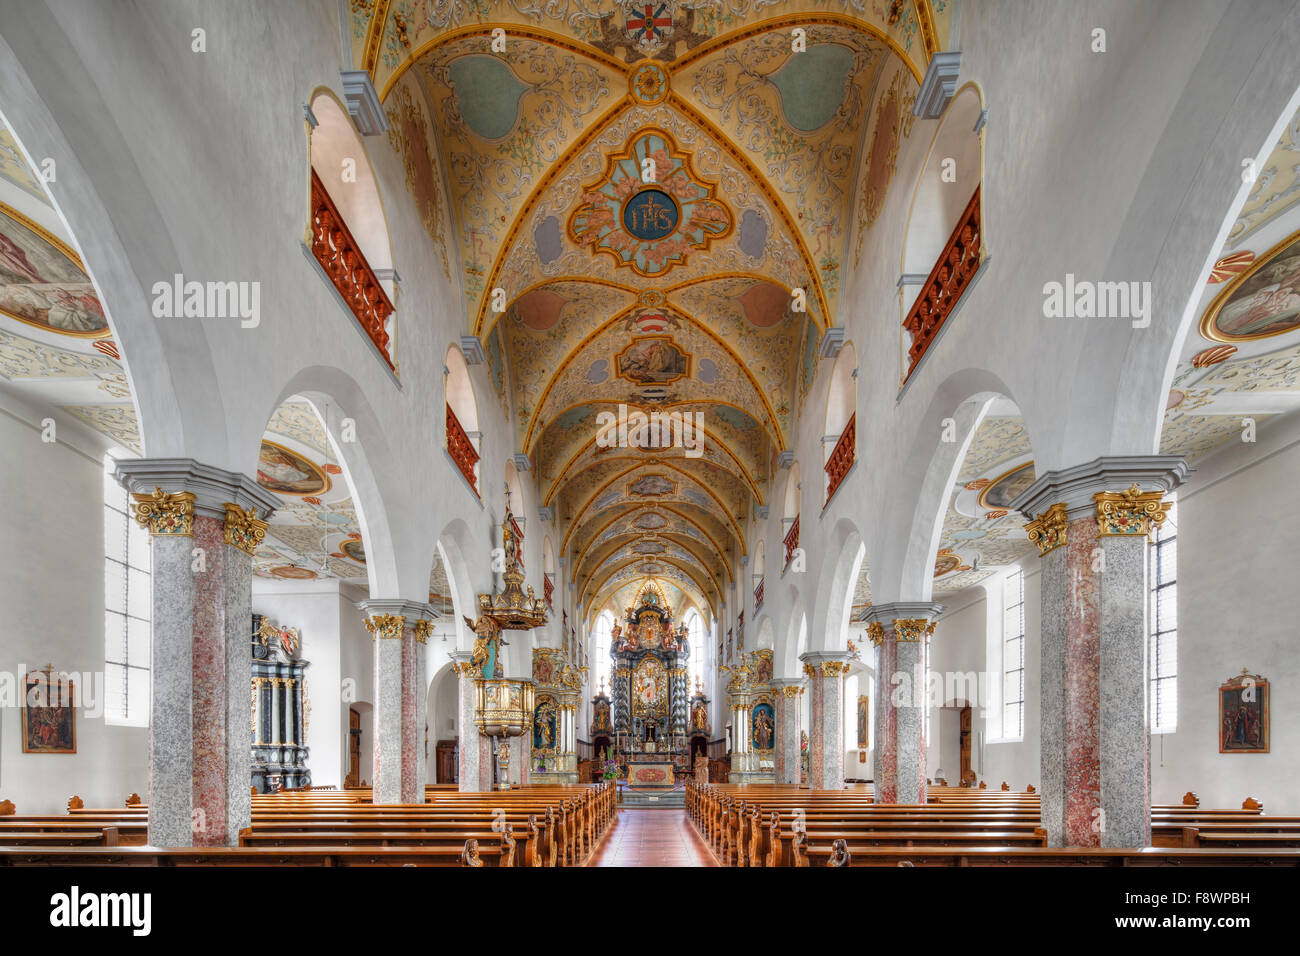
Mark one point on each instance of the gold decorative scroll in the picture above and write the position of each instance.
(386, 626)
(909, 630)
(834, 668)
(1132, 512)
(243, 529)
(423, 629)
(875, 633)
(1048, 529)
(165, 513)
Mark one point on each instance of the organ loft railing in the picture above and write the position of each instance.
(461, 449)
(340, 256)
(791, 542)
(949, 278)
(837, 465)
(758, 594)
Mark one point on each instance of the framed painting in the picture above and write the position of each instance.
(49, 717)
(863, 703)
(1243, 715)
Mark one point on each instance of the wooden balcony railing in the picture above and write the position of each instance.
(846, 449)
(548, 588)
(791, 542)
(758, 595)
(339, 255)
(947, 281)
(461, 449)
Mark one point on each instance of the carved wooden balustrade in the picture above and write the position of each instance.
(758, 595)
(461, 449)
(846, 449)
(947, 281)
(548, 588)
(337, 251)
(791, 542)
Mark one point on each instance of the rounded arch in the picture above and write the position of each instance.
(356, 437)
(923, 483)
(339, 158)
(792, 500)
(453, 545)
(952, 171)
(441, 715)
(844, 554)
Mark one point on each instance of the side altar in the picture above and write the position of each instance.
(650, 693)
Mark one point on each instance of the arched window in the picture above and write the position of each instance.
(462, 418)
(347, 231)
(695, 635)
(839, 440)
(1163, 625)
(944, 244)
(600, 668)
(128, 603)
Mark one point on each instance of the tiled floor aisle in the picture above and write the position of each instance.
(653, 838)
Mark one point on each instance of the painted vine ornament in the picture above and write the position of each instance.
(164, 513)
(1132, 512)
(1048, 530)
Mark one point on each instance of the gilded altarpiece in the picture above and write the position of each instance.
(279, 707)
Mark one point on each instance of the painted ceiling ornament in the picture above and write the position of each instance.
(1230, 265)
(648, 83)
(1213, 356)
(1132, 512)
(650, 25)
(649, 226)
(1048, 530)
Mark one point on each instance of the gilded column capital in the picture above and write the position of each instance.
(464, 669)
(386, 626)
(165, 514)
(910, 630)
(1047, 531)
(791, 691)
(243, 529)
(834, 668)
(875, 633)
(1132, 512)
(423, 629)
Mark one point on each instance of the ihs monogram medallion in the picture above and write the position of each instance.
(649, 224)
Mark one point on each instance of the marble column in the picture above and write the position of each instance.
(399, 629)
(475, 771)
(825, 671)
(204, 524)
(788, 694)
(901, 630)
(1091, 524)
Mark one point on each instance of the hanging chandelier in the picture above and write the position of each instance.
(512, 609)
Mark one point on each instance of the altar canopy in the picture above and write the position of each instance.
(651, 691)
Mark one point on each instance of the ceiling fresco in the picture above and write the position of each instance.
(1240, 365)
(648, 211)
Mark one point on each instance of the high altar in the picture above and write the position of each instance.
(650, 692)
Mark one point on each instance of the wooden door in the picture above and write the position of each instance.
(446, 754)
(353, 778)
(966, 775)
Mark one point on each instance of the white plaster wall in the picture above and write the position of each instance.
(1237, 607)
(52, 592)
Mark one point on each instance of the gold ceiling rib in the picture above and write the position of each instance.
(760, 181)
(586, 587)
(638, 509)
(660, 463)
(740, 471)
(771, 426)
(556, 168)
(485, 30)
(628, 560)
(622, 540)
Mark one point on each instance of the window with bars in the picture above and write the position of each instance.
(128, 601)
(603, 638)
(1013, 655)
(695, 636)
(1162, 625)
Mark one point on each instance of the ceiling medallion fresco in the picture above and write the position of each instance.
(1262, 301)
(649, 226)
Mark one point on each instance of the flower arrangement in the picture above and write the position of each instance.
(610, 770)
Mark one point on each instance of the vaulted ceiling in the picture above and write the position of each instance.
(650, 207)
